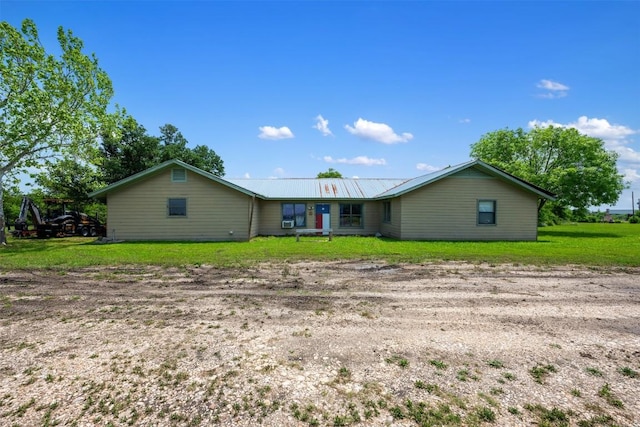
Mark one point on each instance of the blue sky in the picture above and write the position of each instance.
(372, 89)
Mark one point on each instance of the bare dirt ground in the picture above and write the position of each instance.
(334, 343)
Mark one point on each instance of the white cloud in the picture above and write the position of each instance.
(427, 168)
(359, 160)
(631, 175)
(555, 89)
(379, 132)
(551, 85)
(322, 125)
(597, 128)
(247, 175)
(270, 132)
(277, 173)
(465, 121)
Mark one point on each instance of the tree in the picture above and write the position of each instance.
(174, 146)
(49, 105)
(127, 151)
(70, 179)
(331, 173)
(576, 167)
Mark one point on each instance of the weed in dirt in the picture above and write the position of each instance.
(606, 393)
(540, 373)
(463, 375)
(485, 414)
(513, 410)
(344, 374)
(575, 392)
(367, 315)
(628, 372)
(598, 420)
(23, 408)
(305, 333)
(397, 360)
(594, 371)
(431, 388)
(490, 400)
(495, 363)
(439, 364)
(509, 376)
(554, 417)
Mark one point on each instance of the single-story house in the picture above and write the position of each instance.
(176, 201)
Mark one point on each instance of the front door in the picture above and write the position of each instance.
(323, 217)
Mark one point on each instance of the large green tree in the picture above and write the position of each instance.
(174, 146)
(70, 178)
(127, 151)
(131, 150)
(576, 167)
(49, 105)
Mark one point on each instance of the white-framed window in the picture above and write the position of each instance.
(351, 215)
(296, 212)
(178, 175)
(177, 207)
(486, 212)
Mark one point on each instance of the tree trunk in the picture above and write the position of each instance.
(3, 235)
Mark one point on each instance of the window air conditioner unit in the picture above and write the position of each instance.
(288, 224)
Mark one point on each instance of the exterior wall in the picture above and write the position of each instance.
(139, 211)
(447, 210)
(254, 213)
(271, 217)
(392, 228)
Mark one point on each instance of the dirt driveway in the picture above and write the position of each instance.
(333, 343)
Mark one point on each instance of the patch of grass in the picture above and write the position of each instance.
(495, 363)
(513, 410)
(431, 388)
(509, 376)
(485, 414)
(439, 364)
(426, 415)
(580, 244)
(553, 417)
(464, 375)
(598, 420)
(628, 372)
(606, 393)
(397, 360)
(594, 371)
(540, 372)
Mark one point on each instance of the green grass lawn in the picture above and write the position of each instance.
(582, 244)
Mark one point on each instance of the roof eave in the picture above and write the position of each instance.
(102, 193)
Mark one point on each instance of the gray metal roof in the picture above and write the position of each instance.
(328, 188)
(314, 188)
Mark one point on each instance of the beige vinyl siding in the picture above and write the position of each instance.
(255, 217)
(271, 217)
(392, 229)
(214, 212)
(447, 210)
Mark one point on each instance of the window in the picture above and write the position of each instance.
(178, 175)
(295, 212)
(386, 211)
(486, 212)
(350, 215)
(177, 207)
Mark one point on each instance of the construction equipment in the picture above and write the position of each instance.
(58, 224)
